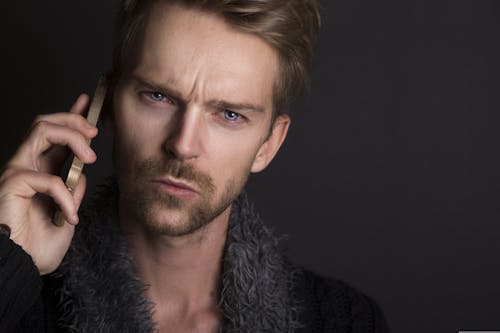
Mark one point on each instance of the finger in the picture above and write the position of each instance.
(80, 105)
(26, 184)
(79, 191)
(46, 135)
(73, 119)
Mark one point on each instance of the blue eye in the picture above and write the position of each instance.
(231, 116)
(157, 96)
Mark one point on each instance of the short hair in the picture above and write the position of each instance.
(290, 27)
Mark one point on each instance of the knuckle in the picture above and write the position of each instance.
(42, 120)
(39, 118)
(7, 173)
(55, 181)
(13, 177)
(73, 118)
(15, 173)
(78, 117)
(40, 127)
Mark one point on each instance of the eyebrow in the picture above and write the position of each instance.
(221, 104)
(156, 86)
(236, 106)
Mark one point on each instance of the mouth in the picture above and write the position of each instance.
(175, 187)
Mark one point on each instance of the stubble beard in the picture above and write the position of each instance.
(170, 215)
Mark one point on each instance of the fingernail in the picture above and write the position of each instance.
(89, 125)
(75, 218)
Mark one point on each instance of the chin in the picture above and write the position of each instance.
(172, 222)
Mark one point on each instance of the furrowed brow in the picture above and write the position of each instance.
(157, 86)
(237, 106)
(171, 92)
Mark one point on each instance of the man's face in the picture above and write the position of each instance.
(193, 119)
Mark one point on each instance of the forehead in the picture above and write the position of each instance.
(203, 57)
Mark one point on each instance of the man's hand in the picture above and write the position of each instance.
(29, 185)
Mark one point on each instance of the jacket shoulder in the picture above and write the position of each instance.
(330, 305)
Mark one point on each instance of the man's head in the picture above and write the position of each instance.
(290, 27)
(193, 116)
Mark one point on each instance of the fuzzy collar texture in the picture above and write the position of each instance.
(102, 293)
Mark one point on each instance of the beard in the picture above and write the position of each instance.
(166, 214)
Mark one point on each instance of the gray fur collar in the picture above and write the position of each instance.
(102, 293)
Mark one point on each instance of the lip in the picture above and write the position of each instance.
(175, 187)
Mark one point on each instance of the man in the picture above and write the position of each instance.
(198, 93)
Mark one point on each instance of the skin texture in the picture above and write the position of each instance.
(196, 110)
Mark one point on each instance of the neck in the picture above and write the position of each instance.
(183, 274)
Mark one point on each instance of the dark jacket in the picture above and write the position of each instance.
(96, 289)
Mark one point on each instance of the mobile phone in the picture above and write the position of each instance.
(77, 166)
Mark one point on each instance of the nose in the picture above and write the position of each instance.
(184, 142)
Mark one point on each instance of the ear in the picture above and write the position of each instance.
(270, 147)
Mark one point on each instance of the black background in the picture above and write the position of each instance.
(389, 177)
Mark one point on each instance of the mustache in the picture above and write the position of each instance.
(175, 168)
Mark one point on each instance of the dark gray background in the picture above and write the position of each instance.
(389, 178)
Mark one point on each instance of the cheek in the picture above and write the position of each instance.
(137, 131)
(233, 160)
